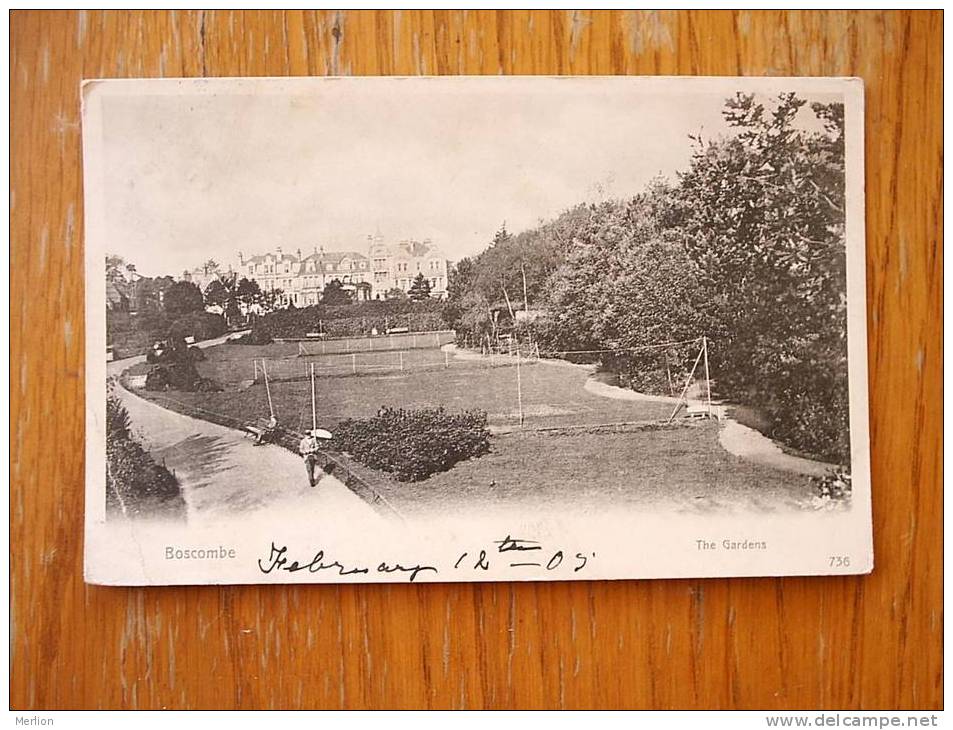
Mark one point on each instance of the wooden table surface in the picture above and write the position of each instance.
(869, 642)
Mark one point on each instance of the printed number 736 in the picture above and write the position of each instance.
(840, 561)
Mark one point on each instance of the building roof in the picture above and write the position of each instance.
(414, 248)
(334, 257)
(271, 254)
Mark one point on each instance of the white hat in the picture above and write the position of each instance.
(320, 433)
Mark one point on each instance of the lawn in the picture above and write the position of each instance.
(553, 395)
(681, 466)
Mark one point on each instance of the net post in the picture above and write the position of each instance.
(353, 363)
(314, 408)
(264, 372)
(400, 355)
(519, 388)
(446, 359)
(688, 381)
(707, 373)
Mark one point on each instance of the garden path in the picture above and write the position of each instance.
(223, 475)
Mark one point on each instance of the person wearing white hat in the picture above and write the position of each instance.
(308, 448)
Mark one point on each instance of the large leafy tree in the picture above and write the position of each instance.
(226, 292)
(764, 223)
(247, 292)
(182, 298)
(510, 274)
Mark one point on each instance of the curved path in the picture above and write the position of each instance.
(734, 437)
(223, 475)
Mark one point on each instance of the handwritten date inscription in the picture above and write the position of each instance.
(508, 553)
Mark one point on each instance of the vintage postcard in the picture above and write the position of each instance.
(474, 329)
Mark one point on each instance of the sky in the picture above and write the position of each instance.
(195, 171)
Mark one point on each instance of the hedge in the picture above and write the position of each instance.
(349, 320)
(414, 444)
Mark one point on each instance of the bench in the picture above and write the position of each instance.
(696, 410)
(262, 429)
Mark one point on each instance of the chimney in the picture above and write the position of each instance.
(241, 259)
(278, 252)
(299, 254)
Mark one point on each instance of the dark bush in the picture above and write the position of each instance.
(136, 486)
(413, 444)
(177, 370)
(159, 379)
(200, 325)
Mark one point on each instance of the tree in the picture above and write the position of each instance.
(335, 293)
(182, 298)
(218, 294)
(247, 292)
(419, 289)
(223, 293)
(270, 299)
(764, 222)
(115, 268)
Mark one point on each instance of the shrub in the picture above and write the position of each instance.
(200, 325)
(159, 379)
(136, 485)
(835, 484)
(413, 444)
(177, 370)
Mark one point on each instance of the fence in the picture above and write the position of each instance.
(377, 343)
(380, 362)
(517, 392)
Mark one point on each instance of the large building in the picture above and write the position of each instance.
(302, 278)
(396, 266)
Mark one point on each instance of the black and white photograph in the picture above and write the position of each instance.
(474, 328)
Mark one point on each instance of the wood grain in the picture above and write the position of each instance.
(842, 642)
